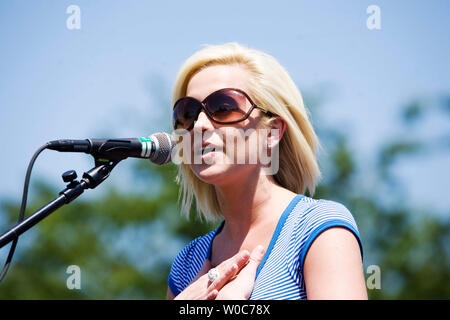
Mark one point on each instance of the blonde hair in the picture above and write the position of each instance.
(271, 88)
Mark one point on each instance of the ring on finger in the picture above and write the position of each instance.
(213, 274)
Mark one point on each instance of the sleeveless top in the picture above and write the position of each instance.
(280, 273)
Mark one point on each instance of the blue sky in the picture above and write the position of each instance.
(113, 77)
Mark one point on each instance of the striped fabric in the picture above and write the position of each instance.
(280, 274)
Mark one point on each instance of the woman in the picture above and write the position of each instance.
(274, 242)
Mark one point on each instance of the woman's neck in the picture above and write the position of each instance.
(246, 205)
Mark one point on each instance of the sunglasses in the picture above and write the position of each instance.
(224, 106)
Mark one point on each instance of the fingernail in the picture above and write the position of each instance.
(245, 254)
(260, 250)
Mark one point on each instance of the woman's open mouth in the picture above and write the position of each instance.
(207, 149)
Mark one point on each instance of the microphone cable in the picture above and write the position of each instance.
(22, 210)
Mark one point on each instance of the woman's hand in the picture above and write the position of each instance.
(241, 287)
(202, 289)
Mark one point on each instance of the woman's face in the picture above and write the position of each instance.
(234, 146)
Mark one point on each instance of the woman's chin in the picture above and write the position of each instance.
(216, 170)
(209, 173)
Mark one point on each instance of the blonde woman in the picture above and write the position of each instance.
(273, 242)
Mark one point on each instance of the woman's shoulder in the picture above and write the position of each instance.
(199, 247)
(311, 217)
(189, 261)
(312, 211)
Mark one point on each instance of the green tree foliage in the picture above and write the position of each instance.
(124, 244)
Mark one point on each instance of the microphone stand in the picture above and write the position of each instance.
(73, 190)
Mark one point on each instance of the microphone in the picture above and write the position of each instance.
(157, 147)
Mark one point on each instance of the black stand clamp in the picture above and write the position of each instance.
(73, 190)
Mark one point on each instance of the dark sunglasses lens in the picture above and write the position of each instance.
(185, 112)
(227, 105)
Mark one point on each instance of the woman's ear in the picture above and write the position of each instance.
(277, 127)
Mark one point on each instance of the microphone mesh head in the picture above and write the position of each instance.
(163, 144)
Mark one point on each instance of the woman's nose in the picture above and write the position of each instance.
(203, 122)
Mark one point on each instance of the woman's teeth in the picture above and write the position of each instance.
(207, 149)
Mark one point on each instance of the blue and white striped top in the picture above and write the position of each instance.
(280, 274)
